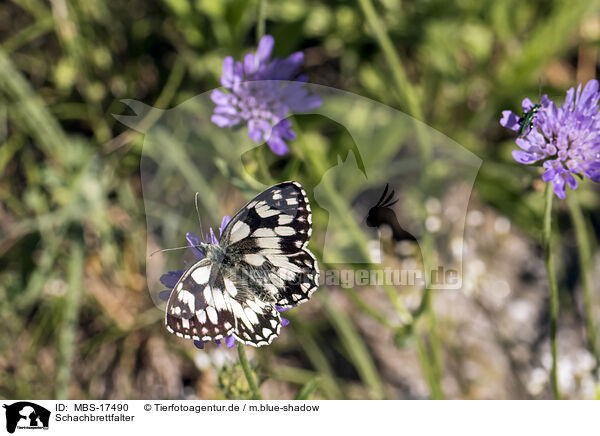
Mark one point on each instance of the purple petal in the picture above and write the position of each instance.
(171, 278)
(164, 295)
(284, 321)
(284, 130)
(558, 184)
(227, 77)
(265, 48)
(527, 104)
(589, 92)
(229, 341)
(510, 120)
(526, 143)
(287, 69)
(549, 175)
(281, 308)
(212, 238)
(194, 240)
(277, 145)
(307, 103)
(238, 72)
(571, 181)
(250, 65)
(199, 344)
(226, 110)
(223, 121)
(224, 223)
(595, 177)
(523, 157)
(254, 132)
(568, 104)
(218, 97)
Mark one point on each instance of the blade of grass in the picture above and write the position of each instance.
(356, 349)
(27, 34)
(395, 65)
(32, 110)
(307, 390)
(66, 339)
(329, 384)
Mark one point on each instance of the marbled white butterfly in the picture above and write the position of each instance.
(261, 261)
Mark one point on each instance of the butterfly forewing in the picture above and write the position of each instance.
(269, 236)
(262, 262)
(277, 219)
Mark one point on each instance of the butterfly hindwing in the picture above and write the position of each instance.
(299, 282)
(255, 321)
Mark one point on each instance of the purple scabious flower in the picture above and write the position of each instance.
(565, 140)
(171, 278)
(255, 100)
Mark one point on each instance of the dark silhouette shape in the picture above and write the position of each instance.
(382, 213)
(13, 415)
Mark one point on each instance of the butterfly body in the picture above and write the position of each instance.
(260, 263)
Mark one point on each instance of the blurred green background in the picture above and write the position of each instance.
(78, 321)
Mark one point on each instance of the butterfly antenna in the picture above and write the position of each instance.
(173, 249)
(202, 236)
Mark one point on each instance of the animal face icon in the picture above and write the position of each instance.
(25, 414)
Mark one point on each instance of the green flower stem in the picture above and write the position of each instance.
(547, 243)
(260, 21)
(248, 372)
(585, 264)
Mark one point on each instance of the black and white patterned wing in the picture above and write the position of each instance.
(205, 306)
(256, 321)
(278, 220)
(295, 277)
(197, 308)
(268, 236)
(266, 263)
